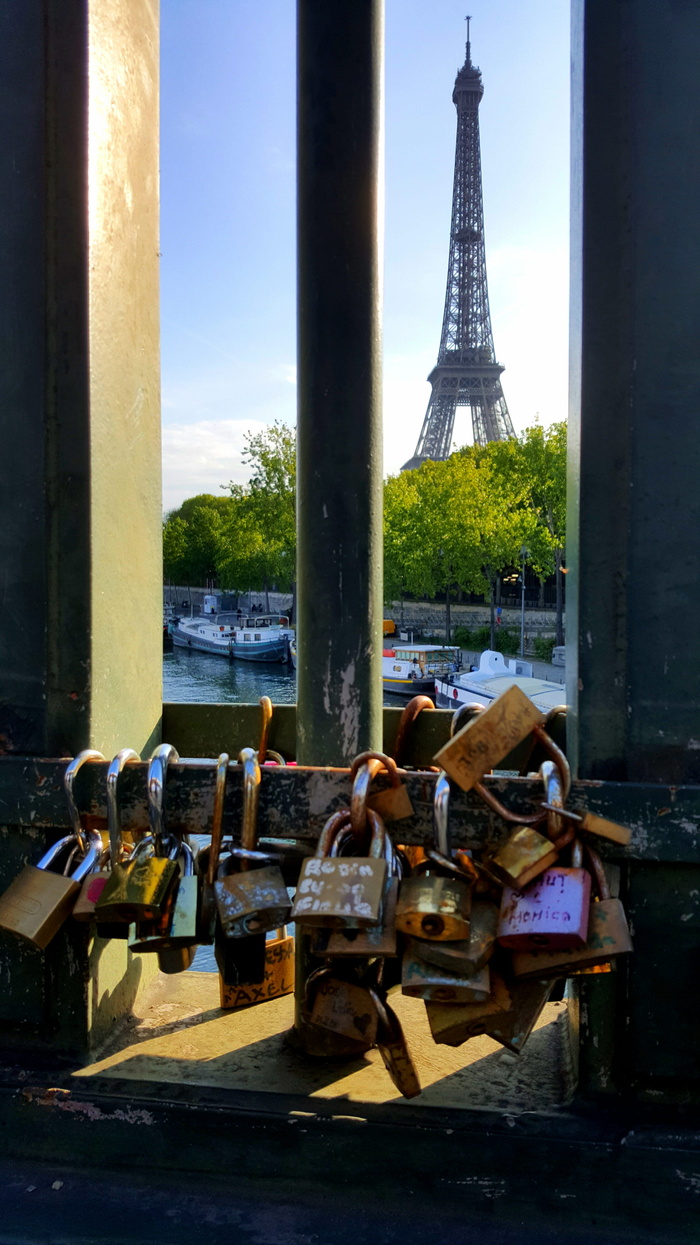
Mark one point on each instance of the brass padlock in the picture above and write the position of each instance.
(394, 1051)
(94, 886)
(253, 898)
(180, 946)
(422, 980)
(527, 853)
(372, 940)
(179, 928)
(38, 901)
(468, 956)
(344, 1007)
(139, 889)
(451, 1024)
(394, 804)
(514, 1026)
(435, 902)
(342, 891)
(608, 936)
(278, 978)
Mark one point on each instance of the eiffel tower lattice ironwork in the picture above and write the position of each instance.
(466, 373)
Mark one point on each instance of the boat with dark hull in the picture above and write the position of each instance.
(260, 637)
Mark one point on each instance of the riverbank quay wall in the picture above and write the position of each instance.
(625, 1150)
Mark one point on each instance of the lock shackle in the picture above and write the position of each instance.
(345, 839)
(598, 873)
(577, 854)
(88, 754)
(413, 710)
(53, 852)
(441, 815)
(248, 758)
(187, 870)
(90, 859)
(554, 797)
(155, 783)
(330, 829)
(363, 769)
(113, 817)
(273, 757)
(266, 718)
(464, 715)
(217, 817)
(378, 833)
(437, 859)
(250, 857)
(555, 754)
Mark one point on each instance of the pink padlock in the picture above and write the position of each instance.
(552, 912)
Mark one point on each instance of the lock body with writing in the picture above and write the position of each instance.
(551, 912)
(422, 980)
(251, 895)
(339, 892)
(278, 975)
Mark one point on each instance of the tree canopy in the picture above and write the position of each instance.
(450, 525)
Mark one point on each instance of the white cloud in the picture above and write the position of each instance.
(200, 457)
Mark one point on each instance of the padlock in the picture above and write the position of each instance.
(468, 956)
(514, 1026)
(435, 902)
(95, 884)
(278, 978)
(551, 912)
(608, 936)
(344, 1007)
(394, 804)
(421, 980)
(451, 1024)
(527, 853)
(38, 900)
(373, 940)
(139, 889)
(342, 891)
(490, 736)
(179, 927)
(251, 896)
(394, 1051)
(208, 859)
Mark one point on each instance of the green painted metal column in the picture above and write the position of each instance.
(339, 461)
(80, 486)
(633, 592)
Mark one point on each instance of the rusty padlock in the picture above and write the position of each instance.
(342, 891)
(435, 902)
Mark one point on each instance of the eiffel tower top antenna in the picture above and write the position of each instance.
(469, 46)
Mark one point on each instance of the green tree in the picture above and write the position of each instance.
(259, 539)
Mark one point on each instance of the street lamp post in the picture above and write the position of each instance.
(523, 555)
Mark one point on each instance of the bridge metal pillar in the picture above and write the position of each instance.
(633, 592)
(339, 462)
(80, 490)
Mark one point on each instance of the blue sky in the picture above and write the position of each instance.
(228, 217)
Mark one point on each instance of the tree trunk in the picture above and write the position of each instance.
(267, 599)
(492, 604)
(541, 596)
(560, 599)
(448, 620)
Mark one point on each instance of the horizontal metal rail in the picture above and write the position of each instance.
(295, 801)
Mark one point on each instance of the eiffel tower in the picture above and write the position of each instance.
(466, 373)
